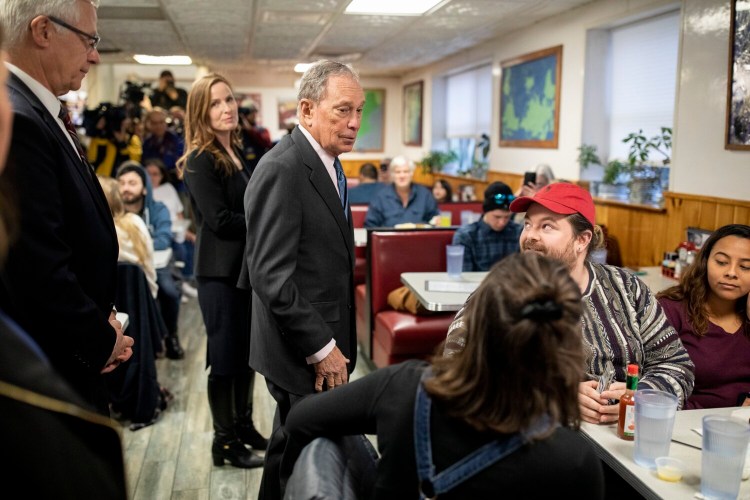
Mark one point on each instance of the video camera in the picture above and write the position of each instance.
(112, 115)
(132, 94)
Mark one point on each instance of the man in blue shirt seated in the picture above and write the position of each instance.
(368, 184)
(402, 201)
(492, 237)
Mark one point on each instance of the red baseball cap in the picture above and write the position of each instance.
(562, 198)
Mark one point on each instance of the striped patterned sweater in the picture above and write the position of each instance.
(622, 323)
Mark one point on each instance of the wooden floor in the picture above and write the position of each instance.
(172, 458)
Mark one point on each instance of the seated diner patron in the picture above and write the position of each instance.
(709, 308)
(368, 184)
(402, 201)
(492, 237)
(622, 322)
(509, 399)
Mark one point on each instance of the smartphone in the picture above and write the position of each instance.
(529, 177)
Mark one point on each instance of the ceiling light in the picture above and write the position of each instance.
(301, 67)
(391, 7)
(163, 60)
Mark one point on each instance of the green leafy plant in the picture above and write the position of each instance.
(435, 161)
(587, 156)
(640, 148)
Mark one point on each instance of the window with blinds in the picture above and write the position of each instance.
(642, 67)
(469, 102)
(468, 113)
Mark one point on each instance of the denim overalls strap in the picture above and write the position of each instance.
(431, 484)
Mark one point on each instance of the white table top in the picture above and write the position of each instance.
(654, 279)
(440, 301)
(618, 454)
(360, 237)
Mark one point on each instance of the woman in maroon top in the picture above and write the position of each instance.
(710, 310)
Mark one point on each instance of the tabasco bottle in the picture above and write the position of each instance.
(626, 422)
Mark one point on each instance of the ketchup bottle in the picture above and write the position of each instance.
(626, 422)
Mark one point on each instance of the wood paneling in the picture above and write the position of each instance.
(635, 227)
(351, 167)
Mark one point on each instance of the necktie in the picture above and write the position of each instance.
(65, 117)
(341, 181)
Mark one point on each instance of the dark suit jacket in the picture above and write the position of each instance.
(300, 261)
(60, 279)
(217, 203)
(54, 448)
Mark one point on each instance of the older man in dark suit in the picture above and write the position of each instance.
(300, 255)
(60, 279)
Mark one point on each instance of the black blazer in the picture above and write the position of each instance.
(54, 446)
(300, 263)
(60, 279)
(217, 201)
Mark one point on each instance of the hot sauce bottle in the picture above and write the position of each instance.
(626, 422)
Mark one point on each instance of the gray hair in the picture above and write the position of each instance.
(16, 15)
(401, 161)
(315, 80)
(545, 170)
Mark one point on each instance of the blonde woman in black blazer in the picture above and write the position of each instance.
(216, 176)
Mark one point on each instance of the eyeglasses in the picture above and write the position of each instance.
(93, 39)
(503, 198)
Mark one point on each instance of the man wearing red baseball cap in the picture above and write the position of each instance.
(622, 322)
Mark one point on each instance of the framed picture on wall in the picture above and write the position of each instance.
(412, 125)
(372, 128)
(530, 99)
(698, 236)
(738, 78)
(247, 99)
(287, 112)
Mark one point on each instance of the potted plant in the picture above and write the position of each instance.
(642, 178)
(587, 156)
(435, 161)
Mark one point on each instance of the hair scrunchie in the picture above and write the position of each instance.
(542, 310)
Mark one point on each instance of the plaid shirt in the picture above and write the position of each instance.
(483, 246)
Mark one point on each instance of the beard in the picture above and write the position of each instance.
(566, 255)
(131, 199)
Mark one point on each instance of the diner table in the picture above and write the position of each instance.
(653, 277)
(686, 446)
(360, 237)
(438, 292)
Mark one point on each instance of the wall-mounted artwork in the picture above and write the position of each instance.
(530, 99)
(412, 125)
(247, 99)
(372, 128)
(287, 113)
(738, 79)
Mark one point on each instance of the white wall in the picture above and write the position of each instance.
(701, 165)
(699, 125)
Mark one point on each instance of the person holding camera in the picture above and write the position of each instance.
(111, 139)
(166, 95)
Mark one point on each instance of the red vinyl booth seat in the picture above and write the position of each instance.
(394, 336)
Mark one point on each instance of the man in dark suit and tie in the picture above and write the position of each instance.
(60, 279)
(300, 255)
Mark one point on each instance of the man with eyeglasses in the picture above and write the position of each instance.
(60, 279)
(492, 237)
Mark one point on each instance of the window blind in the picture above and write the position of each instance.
(643, 70)
(469, 102)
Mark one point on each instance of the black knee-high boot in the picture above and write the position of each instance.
(226, 445)
(243, 411)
